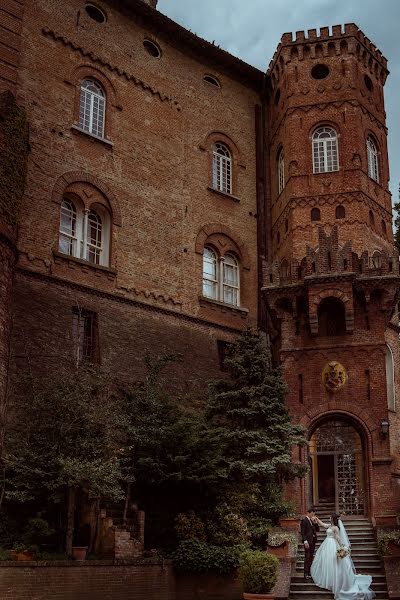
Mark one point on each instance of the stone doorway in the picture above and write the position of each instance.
(337, 476)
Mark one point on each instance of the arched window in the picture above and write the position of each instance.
(84, 234)
(222, 168)
(230, 280)
(221, 279)
(340, 212)
(372, 153)
(281, 171)
(325, 150)
(68, 242)
(94, 238)
(315, 214)
(210, 273)
(92, 107)
(390, 388)
(331, 318)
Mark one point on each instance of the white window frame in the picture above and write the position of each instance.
(92, 107)
(281, 171)
(69, 235)
(373, 162)
(210, 280)
(81, 244)
(222, 168)
(222, 286)
(325, 154)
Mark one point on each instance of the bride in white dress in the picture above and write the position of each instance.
(337, 574)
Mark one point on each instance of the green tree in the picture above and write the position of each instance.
(254, 430)
(65, 438)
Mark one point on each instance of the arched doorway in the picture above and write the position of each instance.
(337, 474)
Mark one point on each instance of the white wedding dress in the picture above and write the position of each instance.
(337, 574)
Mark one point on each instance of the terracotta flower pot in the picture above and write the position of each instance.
(247, 596)
(281, 550)
(79, 552)
(289, 523)
(24, 555)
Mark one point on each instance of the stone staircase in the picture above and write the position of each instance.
(364, 553)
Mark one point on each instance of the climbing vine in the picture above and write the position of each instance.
(14, 147)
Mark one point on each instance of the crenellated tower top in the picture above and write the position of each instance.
(330, 42)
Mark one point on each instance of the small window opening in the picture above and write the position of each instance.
(212, 80)
(340, 212)
(315, 214)
(320, 72)
(368, 83)
(95, 13)
(152, 48)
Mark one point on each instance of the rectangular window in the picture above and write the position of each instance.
(223, 352)
(85, 335)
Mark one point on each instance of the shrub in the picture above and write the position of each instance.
(195, 556)
(258, 571)
(189, 526)
(385, 538)
(4, 554)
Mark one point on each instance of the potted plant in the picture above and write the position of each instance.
(389, 543)
(22, 551)
(79, 552)
(258, 574)
(278, 542)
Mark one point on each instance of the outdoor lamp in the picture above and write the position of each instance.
(384, 428)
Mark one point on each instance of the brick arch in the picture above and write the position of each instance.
(87, 70)
(82, 176)
(219, 136)
(334, 407)
(331, 293)
(218, 228)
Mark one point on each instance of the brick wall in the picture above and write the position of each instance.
(96, 580)
(11, 15)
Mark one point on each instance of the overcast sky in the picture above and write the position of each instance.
(251, 30)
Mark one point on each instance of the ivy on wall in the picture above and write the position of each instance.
(14, 148)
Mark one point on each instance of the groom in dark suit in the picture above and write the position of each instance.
(309, 530)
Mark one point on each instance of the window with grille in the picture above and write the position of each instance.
(222, 168)
(92, 107)
(281, 171)
(372, 152)
(221, 277)
(325, 150)
(85, 335)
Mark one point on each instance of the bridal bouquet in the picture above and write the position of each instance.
(342, 552)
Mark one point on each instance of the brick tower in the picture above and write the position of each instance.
(332, 277)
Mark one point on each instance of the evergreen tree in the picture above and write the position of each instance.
(254, 427)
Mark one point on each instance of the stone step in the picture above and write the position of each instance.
(377, 579)
(326, 595)
(311, 587)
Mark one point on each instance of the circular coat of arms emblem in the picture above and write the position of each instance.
(334, 376)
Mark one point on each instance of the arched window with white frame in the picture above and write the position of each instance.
(92, 107)
(68, 238)
(372, 153)
(281, 171)
(325, 150)
(210, 273)
(84, 233)
(222, 168)
(230, 280)
(390, 385)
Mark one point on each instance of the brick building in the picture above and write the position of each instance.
(175, 194)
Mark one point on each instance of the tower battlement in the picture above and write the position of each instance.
(335, 40)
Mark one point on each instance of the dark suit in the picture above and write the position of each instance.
(308, 534)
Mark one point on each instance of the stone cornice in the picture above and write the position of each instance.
(163, 97)
(115, 297)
